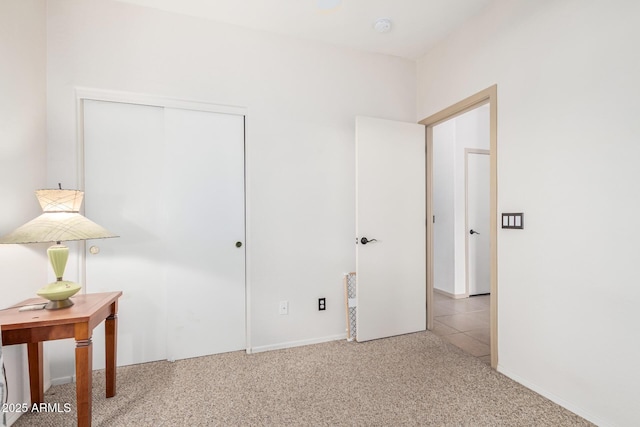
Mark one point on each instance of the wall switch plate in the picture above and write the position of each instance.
(283, 307)
(322, 304)
(513, 220)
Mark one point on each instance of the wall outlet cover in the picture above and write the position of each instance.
(283, 307)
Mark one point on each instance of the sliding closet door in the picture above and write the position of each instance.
(205, 238)
(170, 182)
(125, 193)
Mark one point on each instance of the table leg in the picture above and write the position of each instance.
(34, 352)
(84, 364)
(111, 347)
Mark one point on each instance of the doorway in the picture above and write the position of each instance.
(487, 96)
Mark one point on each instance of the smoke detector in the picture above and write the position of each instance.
(382, 25)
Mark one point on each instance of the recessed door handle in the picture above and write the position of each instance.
(364, 240)
(473, 231)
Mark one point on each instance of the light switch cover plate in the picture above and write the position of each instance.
(513, 220)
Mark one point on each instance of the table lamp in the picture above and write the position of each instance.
(59, 222)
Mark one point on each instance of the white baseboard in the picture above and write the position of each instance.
(552, 397)
(450, 295)
(63, 380)
(291, 344)
(12, 417)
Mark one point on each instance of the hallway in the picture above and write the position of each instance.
(464, 323)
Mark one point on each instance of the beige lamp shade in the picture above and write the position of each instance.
(61, 221)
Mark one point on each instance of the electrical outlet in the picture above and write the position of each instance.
(322, 304)
(283, 308)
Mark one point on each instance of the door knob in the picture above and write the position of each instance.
(238, 244)
(94, 250)
(364, 240)
(473, 231)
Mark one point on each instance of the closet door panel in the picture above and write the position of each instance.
(124, 192)
(205, 235)
(170, 182)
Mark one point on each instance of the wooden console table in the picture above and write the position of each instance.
(77, 321)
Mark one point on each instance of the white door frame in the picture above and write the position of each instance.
(468, 151)
(489, 96)
(82, 94)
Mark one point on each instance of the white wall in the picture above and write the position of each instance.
(450, 138)
(302, 99)
(22, 163)
(568, 90)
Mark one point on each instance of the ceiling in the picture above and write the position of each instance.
(416, 24)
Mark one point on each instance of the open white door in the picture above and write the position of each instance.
(390, 208)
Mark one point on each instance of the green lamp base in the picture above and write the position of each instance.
(58, 294)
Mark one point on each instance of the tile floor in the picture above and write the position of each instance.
(464, 323)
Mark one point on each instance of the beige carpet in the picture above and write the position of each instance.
(415, 379)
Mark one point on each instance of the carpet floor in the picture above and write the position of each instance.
(414, 379)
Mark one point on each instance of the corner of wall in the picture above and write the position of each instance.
(23, 163)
